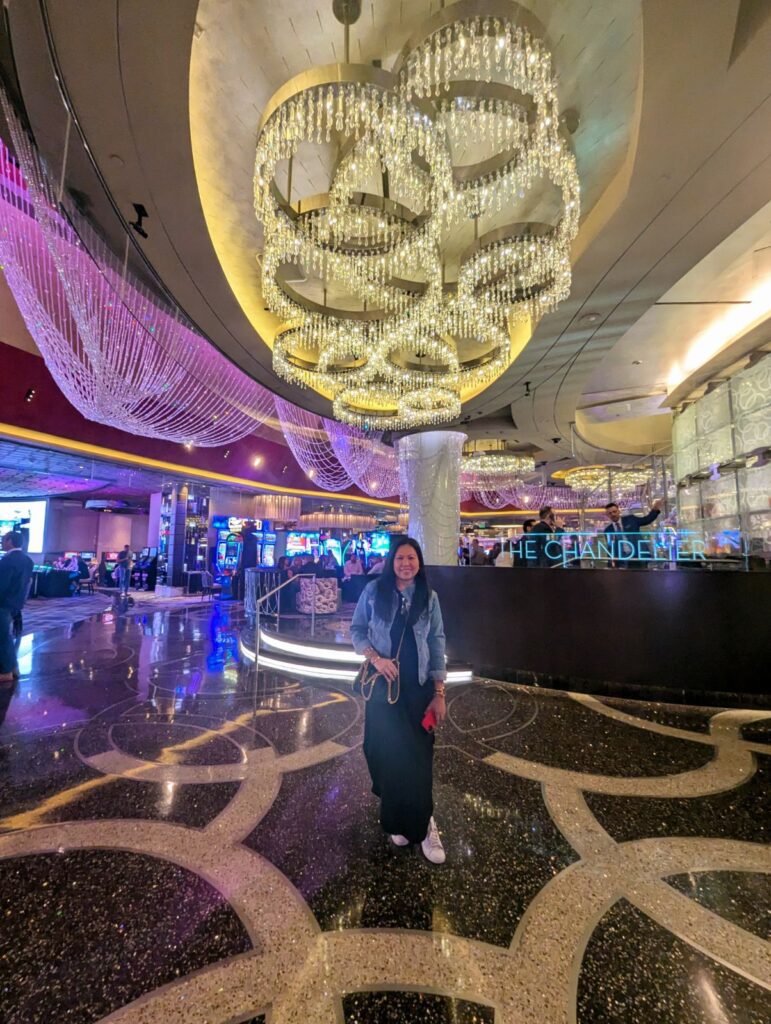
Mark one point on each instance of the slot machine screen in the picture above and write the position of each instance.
(333, 547)
(381, 544)
(301, 543)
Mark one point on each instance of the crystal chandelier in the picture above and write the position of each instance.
(608, 482)
(119, 353)
(587, 478)
(357, 273)
(491, 478)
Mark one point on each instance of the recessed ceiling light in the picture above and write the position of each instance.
(637, 362)
(590, 318)
(257, 460)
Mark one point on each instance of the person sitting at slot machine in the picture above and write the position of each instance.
(623, 533)
(376, 564)
(353, 566)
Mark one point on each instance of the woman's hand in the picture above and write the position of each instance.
(439, 706)
(386, 667)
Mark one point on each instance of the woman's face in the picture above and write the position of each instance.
(406, 564)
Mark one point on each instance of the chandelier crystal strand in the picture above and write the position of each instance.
(472, 82)
(310, 445)
(491, 479)
(118, 354)
(372, 465)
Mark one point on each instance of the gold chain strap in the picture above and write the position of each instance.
(366, 679)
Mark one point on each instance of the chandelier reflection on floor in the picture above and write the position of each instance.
(357, 274)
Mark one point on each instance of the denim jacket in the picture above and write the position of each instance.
(367, 628)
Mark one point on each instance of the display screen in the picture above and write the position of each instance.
(333, 547)
(267, 554)
(234, 524)
(380, 544)
(302, 543)
(88, 556)
(25, 515)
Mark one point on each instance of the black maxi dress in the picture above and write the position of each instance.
(399, 751)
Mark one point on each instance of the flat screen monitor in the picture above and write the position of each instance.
(27, 516)
(110, 556)
(153, 552)
(333, 547)
(71, 554)
(268, 554)
(88, 556)
(381, 544)
(301, 543)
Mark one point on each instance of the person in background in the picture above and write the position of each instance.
(505, 560)
(353, 566)
(627, 528)
(519, 556)
(397, 626)
(542, 533)
(493, 554)
(376, 564)
(15, 575)
(476, 555)
(124, 570)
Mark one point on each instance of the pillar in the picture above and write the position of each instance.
(154, 520)
(429, 476)
(175, 576)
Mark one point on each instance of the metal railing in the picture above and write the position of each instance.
(261, 599)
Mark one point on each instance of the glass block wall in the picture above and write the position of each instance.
(729, 423)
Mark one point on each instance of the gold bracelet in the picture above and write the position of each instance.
(439, 690)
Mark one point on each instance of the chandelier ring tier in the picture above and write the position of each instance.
(385, 341)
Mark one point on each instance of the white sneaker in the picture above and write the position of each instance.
(400, 841)
(432, 845)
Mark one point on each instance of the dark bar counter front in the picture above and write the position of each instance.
(683, 636)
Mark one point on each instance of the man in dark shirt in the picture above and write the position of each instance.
(541, 533)
(623, 533)
(124, 570)
(15, 574)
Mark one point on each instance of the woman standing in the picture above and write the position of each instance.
(398, 627)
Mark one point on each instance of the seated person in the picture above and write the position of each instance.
(353, 566)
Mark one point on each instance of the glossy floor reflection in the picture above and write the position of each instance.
(181, 843)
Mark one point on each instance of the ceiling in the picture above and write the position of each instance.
(723, 295)
(243, 51)
(673, 148)
(27, 471)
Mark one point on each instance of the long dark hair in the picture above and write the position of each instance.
(386, 584)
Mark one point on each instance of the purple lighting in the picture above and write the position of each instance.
(117, 354)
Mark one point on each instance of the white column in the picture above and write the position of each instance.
(429, 475)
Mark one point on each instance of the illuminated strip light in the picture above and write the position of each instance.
(306, 651)
(462, 675)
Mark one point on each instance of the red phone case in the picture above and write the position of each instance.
(429, 720)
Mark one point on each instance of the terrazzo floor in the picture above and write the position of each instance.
(183, 843)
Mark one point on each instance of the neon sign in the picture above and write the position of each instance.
(574, 546)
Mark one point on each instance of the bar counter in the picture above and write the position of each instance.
(664, 635)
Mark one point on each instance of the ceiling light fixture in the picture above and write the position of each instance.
(377, 255)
